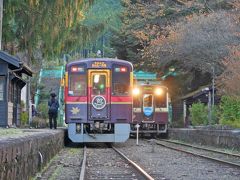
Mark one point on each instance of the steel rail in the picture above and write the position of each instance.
(83, 168)
(137, 167)
(197, 147)
(200, 155)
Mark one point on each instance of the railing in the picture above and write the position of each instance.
(46, 76)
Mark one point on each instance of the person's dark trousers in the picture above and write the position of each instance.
(53, 120)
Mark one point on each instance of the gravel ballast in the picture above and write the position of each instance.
(157, 160)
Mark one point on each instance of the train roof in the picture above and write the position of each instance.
(150, 84)
(88, 60)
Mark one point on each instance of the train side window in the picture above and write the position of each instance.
(77, 85)
(120, 81)
(161, 101)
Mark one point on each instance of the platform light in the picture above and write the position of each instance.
(158, 91)
(136, 91)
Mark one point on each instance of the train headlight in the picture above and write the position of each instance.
(136, 91)
(158, 91)
(78, 128)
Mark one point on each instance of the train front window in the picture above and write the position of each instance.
(137, 102)
(99, 84)
(77, 85)
(147, 100)
(161, 100)
(120, 80)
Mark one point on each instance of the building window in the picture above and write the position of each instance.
(2, 88)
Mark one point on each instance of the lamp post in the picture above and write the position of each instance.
(211, 96)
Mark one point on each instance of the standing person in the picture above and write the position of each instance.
(53, 106)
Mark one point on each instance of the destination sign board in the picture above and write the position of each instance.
(99, 64)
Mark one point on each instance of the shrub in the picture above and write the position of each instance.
(22, 104)
(177, 123)
(215, 115)
(43, 110)
(230, 111)
(24, 117)
(199, 114)
(39, 122)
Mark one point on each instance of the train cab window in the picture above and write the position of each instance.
(147, 100)
(77, 85)
(99, 84)
(161, 100)
(137, 102)
(120, 81)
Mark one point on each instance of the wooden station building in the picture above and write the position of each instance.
(11, 83)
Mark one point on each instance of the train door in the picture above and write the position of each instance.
(148, 107)
(99, 94)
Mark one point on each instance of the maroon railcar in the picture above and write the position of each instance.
(150, 108)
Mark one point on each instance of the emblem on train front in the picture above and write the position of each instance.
(75, 110)
(99, 102)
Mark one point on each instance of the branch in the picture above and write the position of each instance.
(207, 6)
(179, 2)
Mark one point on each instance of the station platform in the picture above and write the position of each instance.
(220, 138)
(23, 152)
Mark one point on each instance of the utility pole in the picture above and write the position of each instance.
(213, 85)
(1, 19)
(209, 107)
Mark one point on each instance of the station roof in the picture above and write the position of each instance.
(145, 75)
(201, 90)
(15, 63)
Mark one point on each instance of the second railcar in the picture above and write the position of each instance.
(98, 100)
(150, 109)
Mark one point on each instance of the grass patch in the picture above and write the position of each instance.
(56, 173)
(74, 151)
(10, 132)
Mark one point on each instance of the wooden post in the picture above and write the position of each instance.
(1, 19)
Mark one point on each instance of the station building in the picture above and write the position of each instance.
(11, 83)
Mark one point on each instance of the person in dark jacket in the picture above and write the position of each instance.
(53, 106)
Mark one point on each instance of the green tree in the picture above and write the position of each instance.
(44, 25)
(229, 111)
(199, 114)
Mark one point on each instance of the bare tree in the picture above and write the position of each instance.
(197, 43)
(228, 81)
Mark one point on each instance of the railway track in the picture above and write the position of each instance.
(207, 153)
(109, 163)
(65, 165)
